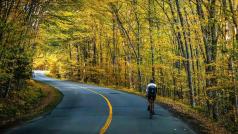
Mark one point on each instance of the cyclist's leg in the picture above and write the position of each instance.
(148, 101)
(153, 105)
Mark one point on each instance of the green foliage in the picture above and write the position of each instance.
(20, 102)
(188, 47)
(19, 27)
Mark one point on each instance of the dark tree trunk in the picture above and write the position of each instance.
(188, 56)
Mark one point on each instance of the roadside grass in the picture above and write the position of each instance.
(23, 105)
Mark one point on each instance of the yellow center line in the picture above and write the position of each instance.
(109, 118)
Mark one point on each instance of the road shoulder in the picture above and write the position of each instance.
(38, 99)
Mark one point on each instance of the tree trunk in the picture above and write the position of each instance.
(210, 38)
(78, 61)
(188, 57)
(138, 40)
(150, 19)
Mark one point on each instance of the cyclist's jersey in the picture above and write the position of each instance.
(151, 89)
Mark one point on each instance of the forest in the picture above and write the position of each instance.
(189, 47)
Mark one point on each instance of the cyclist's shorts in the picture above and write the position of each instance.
(151, 97)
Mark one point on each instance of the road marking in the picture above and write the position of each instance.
(109, 118)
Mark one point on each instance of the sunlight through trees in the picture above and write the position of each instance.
(188, 47)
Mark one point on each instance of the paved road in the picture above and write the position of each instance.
(84, 110)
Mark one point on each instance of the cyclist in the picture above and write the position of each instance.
(151, 91)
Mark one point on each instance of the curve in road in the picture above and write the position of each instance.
(109, 119)
(85, 109)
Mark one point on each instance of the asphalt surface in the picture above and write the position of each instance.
(85, 112)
